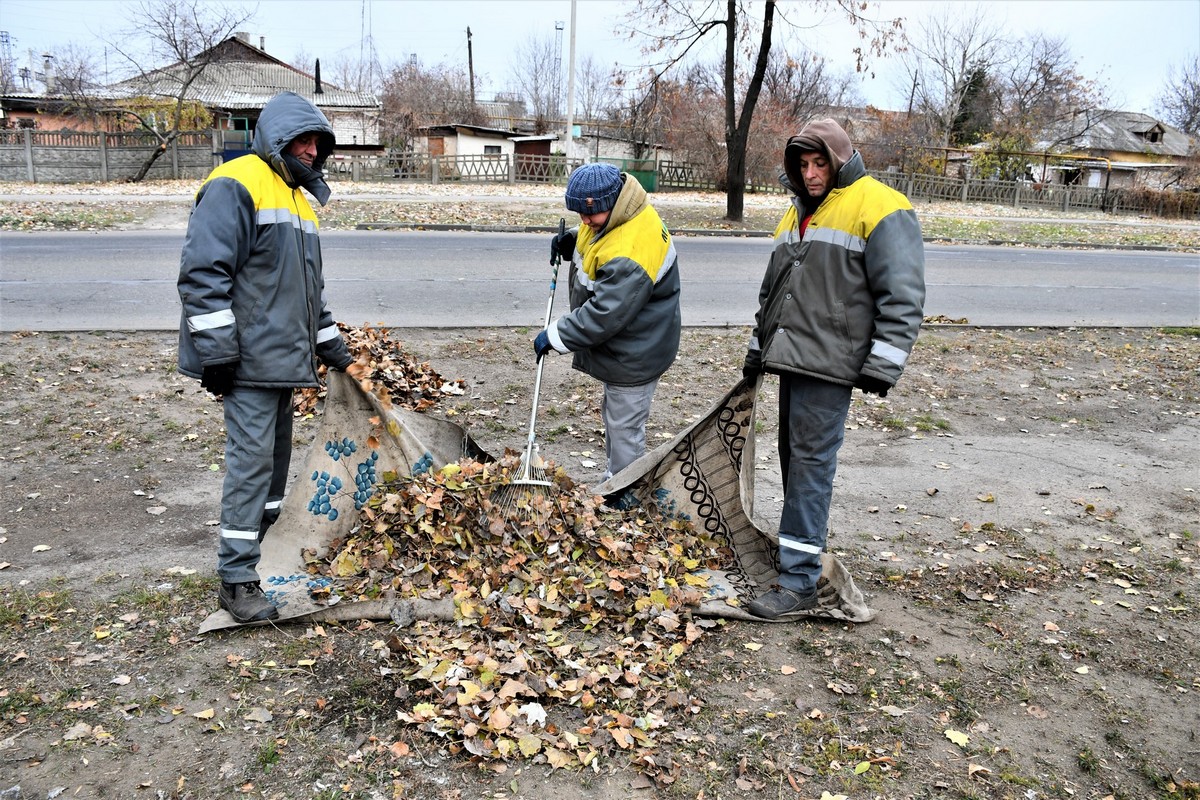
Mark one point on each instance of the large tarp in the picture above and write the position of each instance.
(705, 474)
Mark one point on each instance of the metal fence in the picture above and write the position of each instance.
(681, 176)
(424, 168)
(80, 157)
(1023, 194)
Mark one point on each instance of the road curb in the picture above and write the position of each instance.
(473, 228)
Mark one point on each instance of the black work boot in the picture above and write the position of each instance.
(781, 602)
(246, 602)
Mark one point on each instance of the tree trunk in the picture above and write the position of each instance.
(155, 155)
(737, 130)
(735, 151)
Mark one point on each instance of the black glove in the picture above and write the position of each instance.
(342, 366)
(541, 345)
(218, 378)
(563, 244)
(873, 385)
(752, 367)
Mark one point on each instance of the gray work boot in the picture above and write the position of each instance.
(246, 602)
(781, 602)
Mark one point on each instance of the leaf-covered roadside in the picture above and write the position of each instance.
(1028, 643)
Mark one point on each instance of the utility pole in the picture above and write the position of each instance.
(557, 98)
(570, 91)
(471, 72)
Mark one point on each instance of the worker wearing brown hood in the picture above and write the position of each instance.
(839, 308)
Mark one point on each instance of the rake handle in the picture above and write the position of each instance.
(537, 382)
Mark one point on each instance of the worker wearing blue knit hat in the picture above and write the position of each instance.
(623, 327)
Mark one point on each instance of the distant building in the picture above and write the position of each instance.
(233, 87)
(1141, 151)
(239, 80)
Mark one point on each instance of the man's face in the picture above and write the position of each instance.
(304, 148)
(816, 172)
(595, 221)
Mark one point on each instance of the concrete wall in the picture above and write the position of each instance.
(53, 157)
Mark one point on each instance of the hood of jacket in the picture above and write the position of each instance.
(283, 118)
(630, 202)
(824, 136)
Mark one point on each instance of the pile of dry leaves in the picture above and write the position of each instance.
(569, 618)
(394, 377)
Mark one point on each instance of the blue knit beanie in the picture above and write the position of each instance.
(593, 188)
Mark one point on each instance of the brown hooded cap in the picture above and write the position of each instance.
(824, 136)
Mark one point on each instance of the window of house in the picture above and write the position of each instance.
(491, 149)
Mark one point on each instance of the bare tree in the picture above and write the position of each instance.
(950, 51)
(675, 27)
(414, 96)
(596, 91)
(1041, 90)
(183, 34)
(803, 85)
(695, 134)
(1180, 98)
(535, 74)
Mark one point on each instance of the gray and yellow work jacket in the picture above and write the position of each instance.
(624, 285)
(846, 298)
(250, 278)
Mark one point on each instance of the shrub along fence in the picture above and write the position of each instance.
(73, 157)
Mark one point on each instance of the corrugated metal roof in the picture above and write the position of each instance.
(237, 85)
(1124, 132)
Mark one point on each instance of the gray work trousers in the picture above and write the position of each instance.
(258, 452)
(812, 427)
(625, 410)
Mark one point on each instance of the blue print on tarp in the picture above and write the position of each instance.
(328, 486)
(277, 588)
(666, 503)
(422, 464)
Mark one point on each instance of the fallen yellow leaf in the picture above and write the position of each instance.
(958, 737)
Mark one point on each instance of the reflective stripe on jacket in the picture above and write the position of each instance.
(847, 298)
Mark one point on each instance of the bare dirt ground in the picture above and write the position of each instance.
(1021, 511)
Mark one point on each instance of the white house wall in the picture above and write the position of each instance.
(354, 127)
(470, 145)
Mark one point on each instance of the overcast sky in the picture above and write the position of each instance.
(1129, 44)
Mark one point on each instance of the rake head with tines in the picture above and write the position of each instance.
(530, 475)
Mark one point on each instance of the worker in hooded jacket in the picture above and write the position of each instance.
(839, 307)
(255, 323)
(624, 323)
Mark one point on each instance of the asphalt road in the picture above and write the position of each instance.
(126, 281)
